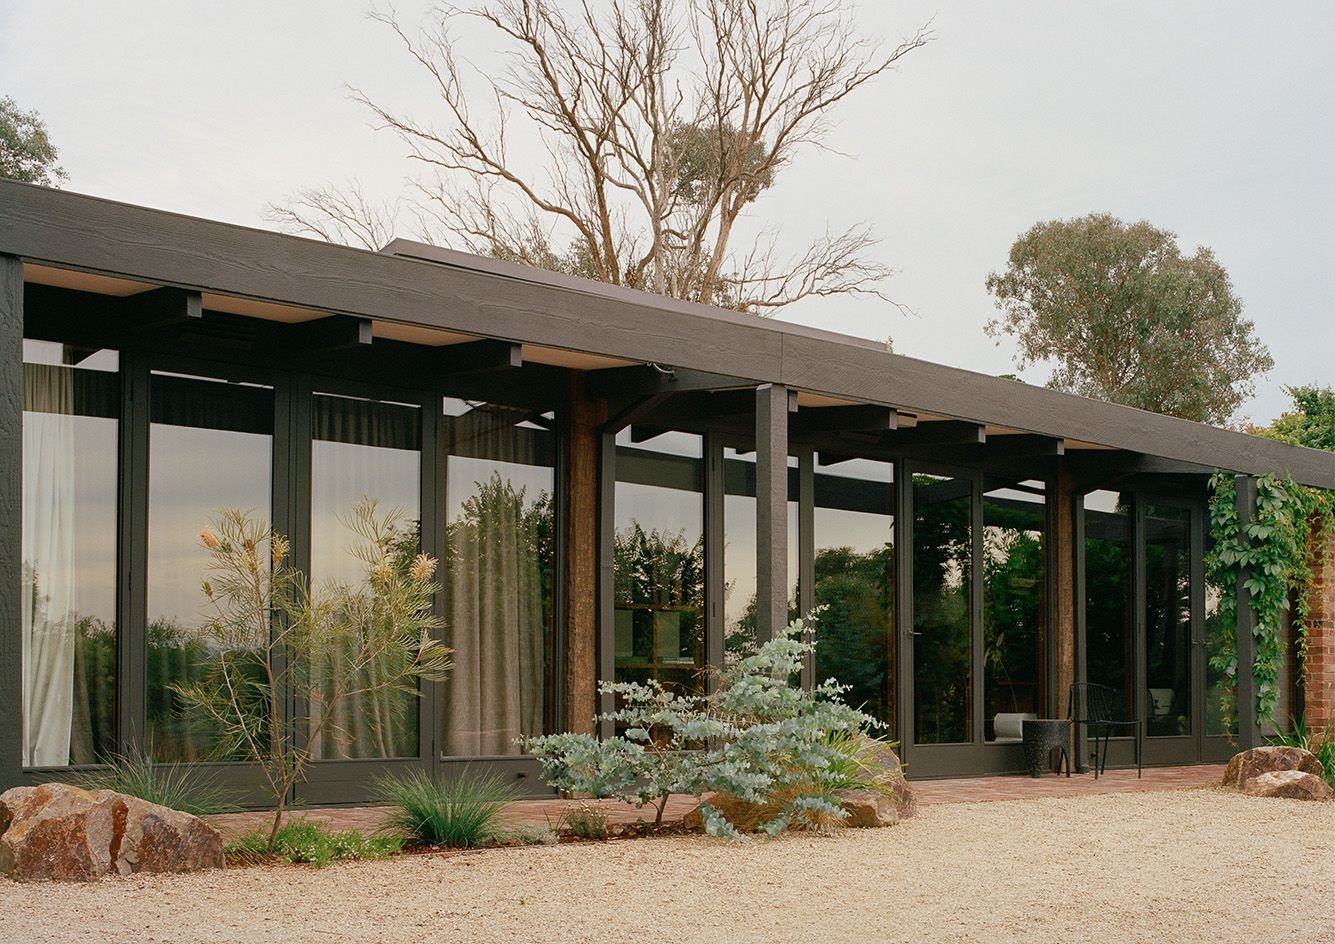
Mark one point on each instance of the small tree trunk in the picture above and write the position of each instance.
(277, 820)
(662, 805)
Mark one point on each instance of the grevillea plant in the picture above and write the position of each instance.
(759, 739)
(277, 640)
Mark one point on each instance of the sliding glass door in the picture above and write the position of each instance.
(979, 632)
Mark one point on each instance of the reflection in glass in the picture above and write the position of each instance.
(71, 402)
(363, 449)
(1014, 601)
(210, 447)
(1168, 620)
(1221, 636)
(739, 550)
(1108, 610)
(658, 560)
(855, 583)
(499, 555)
(942, 604)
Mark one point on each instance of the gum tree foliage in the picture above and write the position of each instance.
(277, 639)
(26, 151)
(624, 142)
(1275, 546)
(1123, 316)
(758, 738)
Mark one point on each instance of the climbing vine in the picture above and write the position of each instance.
(1273, 547)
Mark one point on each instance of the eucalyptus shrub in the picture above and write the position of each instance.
(758, 739)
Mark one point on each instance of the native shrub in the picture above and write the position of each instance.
(759, 741)
(277, 640)
(313, 843)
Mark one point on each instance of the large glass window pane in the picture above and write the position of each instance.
(942, 605)
(855, 582)
(360, 450)
(498, 576)
(210, 447)
(71, 405)
(1109, 624)
(658, 560)
(1168, 619)
(1014, 603)
(739, 550)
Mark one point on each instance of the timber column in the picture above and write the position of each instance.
(773, 404)
(11, 519)
(583, 419)
(1319, 666)
(1065, 649)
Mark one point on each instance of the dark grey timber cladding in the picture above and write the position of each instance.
(90, 233)
(867, 374)
(772, 406)
(11, 517)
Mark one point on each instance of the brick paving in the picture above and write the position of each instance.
(929, 793)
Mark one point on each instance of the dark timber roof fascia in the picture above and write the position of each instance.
(491, 299)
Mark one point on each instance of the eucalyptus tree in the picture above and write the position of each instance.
(1123, 315)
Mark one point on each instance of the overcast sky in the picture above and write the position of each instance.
(1214, 120)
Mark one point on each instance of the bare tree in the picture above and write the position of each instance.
(659, 122)
(339, 215)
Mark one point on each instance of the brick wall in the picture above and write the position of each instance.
(1319, 671)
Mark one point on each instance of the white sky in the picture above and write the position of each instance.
(1215, 120)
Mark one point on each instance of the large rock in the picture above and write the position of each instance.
(1288, 785)
(61, 832)
(1263, 760)
(888, 774)
(868, 808)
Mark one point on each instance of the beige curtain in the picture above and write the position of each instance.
(497, 602)
(48, 565)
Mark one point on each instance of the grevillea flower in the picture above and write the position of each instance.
(208, 539)
(423, 568)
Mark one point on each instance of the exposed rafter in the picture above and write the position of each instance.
(477, 357)
(852, 418)
(334, 333)
(939, 433)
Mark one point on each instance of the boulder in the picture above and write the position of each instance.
(59, 832)
(868, 808)
(1263, 760)
(888, 774)
(1288, 785)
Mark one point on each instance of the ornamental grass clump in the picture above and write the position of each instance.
(176, 786)
(462, 813)
(772, 754)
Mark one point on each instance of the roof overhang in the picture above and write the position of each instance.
(409, 289)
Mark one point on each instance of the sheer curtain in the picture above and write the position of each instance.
(48, 628)
(363, 449)
(498, 580)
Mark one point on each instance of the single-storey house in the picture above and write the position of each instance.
(617, 485)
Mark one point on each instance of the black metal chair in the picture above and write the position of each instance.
(1096, 707)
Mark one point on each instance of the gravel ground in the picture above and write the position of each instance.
(1189, 865)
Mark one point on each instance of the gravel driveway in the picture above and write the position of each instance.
(1192, 865)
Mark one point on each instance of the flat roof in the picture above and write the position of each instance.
(419, 286)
